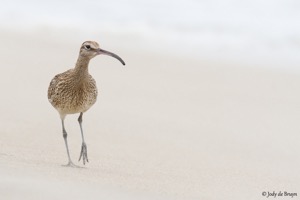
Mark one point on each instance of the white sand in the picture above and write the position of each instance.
(163, 127)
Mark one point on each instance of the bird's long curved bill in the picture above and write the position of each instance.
(104, 52)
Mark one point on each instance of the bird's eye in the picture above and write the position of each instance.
(88, 47)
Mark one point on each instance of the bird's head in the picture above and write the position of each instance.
(91, 49)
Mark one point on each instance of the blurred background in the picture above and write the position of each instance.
(257, 33)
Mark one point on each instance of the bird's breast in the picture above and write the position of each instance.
(70, 98)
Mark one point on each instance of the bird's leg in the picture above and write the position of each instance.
(65, 135)
(83, 152)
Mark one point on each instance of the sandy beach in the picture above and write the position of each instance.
(164, 127)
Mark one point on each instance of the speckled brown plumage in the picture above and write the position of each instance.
(75, 90)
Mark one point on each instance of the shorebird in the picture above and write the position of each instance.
(75, 91)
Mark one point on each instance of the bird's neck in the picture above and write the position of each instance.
(81, 70)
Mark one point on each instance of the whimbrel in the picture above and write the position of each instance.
(75, 91)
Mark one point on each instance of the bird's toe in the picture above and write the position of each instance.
(71, 164)
(83, 154)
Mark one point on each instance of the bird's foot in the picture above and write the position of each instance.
(71, 164)
(83, 154)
